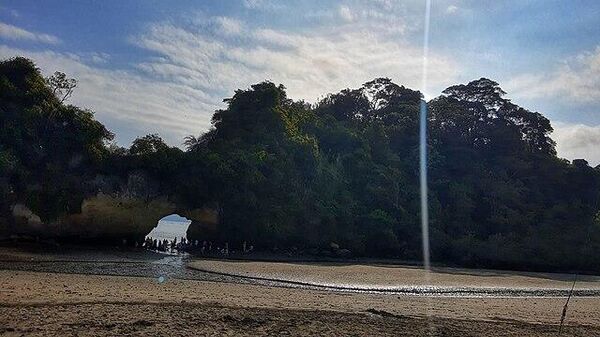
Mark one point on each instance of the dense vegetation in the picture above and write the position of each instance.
(284, 173)
(49, 151)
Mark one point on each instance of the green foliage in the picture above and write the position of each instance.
(48, 149)
(62, 87)
(499, 194)
(148, 145)
(283, 173)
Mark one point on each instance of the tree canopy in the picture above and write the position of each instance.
(48, 147)
(288, 174)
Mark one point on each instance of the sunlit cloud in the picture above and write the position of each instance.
(309, 64)
(576, 79)
(576, 141)
(573, 82)
(195, 65)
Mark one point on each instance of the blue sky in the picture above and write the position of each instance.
(165, 66)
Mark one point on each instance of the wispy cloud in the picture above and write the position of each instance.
(196, 65)
(228, 26)
(574, 82)
(310, 63)
(11, 32)
(346, 13)
(129, 104)
(576, 79)
(263, 5)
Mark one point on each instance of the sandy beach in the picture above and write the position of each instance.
(88, 292)
(51, 304)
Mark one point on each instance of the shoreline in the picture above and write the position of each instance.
(344, 276)
(113, 304)
(402, 280)
(33, 249)
(117, 292)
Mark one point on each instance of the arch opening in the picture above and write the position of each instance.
(169, 234)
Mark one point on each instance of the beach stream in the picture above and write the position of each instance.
(163, 267)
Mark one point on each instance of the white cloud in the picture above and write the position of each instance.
(451, 9)
(93, 57)
(576, 141)
(263, 5)
(577, 79)
(126, 101)
(251, 3)
(228, 26)
(99, 58)
(383, 17)
(346, 13)
(309, 64)
(195, 66)
(11, 32)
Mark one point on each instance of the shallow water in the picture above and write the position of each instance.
(166, 267)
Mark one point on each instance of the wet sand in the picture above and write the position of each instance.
(406, 278)
(50, 304)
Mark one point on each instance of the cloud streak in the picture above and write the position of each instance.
(189, 65)
(11, 32)
(577, 79)
(310, 64)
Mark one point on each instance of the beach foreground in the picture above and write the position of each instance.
(51, 304)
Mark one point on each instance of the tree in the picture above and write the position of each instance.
(62, 87)
(148, 145)
(484, 99)
(56, 148)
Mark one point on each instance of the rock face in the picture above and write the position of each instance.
(127, 213)
(109, 219)
(204, 224)
(102, 217)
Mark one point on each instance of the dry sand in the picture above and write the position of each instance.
(49, 304)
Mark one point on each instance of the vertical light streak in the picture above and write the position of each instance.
(423, 168)
(423, 147)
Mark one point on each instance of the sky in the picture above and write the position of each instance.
(153, 66)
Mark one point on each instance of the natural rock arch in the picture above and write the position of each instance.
(110, 219)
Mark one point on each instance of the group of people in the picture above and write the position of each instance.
(168, 245)
(206, 248)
